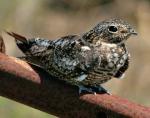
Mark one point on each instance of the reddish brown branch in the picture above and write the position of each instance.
(18, 81)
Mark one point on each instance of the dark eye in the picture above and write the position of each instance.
(113, 29)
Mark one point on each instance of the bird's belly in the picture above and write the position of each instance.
(95, 78)
(105, 71)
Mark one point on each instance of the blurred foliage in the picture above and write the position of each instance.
(75, 5)
(54, 18)
(11, 109)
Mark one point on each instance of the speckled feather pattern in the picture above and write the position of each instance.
(90, 59)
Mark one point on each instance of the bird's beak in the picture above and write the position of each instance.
(133, 32)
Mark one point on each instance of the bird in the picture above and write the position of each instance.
(86, 60)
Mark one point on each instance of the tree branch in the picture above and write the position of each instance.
(36, 88)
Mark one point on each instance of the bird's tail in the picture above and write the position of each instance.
(21, 41)
(25, 45)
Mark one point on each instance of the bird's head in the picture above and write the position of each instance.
(111, 31)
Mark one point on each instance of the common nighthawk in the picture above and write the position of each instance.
(85, 60)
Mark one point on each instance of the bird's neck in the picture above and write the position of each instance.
(90, 36)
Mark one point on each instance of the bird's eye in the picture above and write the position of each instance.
(112, 29)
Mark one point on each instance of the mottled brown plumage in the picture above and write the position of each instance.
(86, 60)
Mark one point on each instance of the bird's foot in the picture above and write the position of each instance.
(84, 89)
(100, 89)
(93, 89)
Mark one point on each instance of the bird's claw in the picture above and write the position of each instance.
(83, 88)
(94, 90)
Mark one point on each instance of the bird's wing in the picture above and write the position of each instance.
(72, 56)
(69, 55)
(122, 70)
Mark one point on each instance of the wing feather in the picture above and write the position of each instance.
(68, 55)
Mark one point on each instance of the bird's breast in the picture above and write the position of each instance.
(112, 57)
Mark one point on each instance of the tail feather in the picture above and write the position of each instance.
(34, 56)
(17, 37)
(21, 41)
